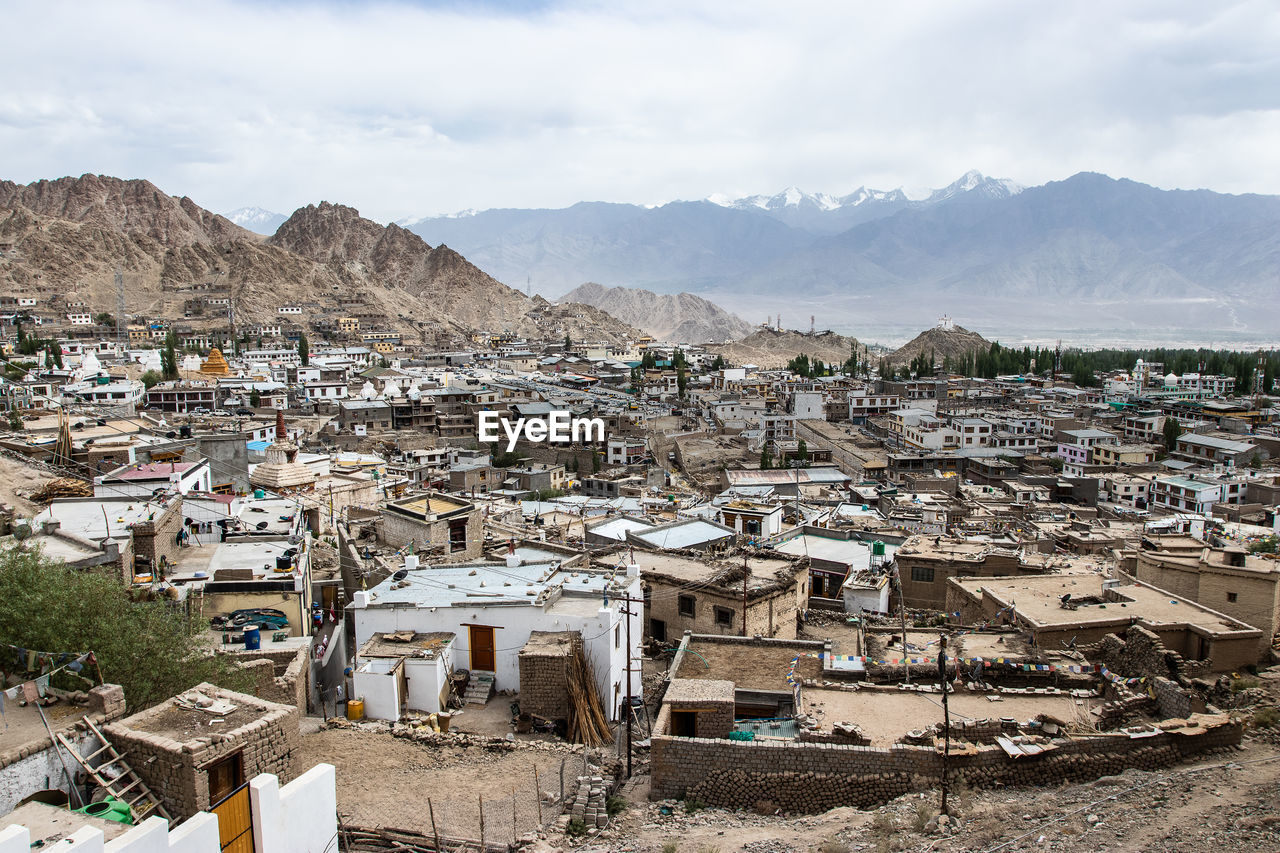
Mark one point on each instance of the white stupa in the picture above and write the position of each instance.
(151, 361)
(368, 392)
(89, 366)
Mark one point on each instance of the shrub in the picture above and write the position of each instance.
(615, 805)
(693, 804)
(1264, 718)
(577, 828)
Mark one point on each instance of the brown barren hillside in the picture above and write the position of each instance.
(63, 240)
(943, 340)
(771, 348)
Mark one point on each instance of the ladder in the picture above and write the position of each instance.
(125, 785)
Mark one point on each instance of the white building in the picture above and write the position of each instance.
(491, 609)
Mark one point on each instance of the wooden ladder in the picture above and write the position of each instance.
(127, 786)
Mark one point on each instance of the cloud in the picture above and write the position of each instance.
(402, 108)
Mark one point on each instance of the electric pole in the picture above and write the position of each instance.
(946, 718)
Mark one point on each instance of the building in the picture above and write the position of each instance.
(927, 563)
(1227, 580)
(1212, 449)
(492, 610)
(1059, 611)
(1196, 493)
(434, 523)
(750, 518)
(146, 478)
(685, 591)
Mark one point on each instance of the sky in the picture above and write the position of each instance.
(406, 109)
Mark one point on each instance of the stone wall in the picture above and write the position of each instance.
(1139, 653)
(544, 673)
(815, 777)
(280, 674)
(158, 538)
(178, 772)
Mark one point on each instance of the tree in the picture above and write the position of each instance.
(802, 454)
(55, 354)
(103, 318)
(150, 379)
(682, 381)
(1172, 429)
(766, 458)
(151, 648)
(255, 398)
(595, 463)
(1266, 545)
(568, 342)
(718, 362)
(169, 357)
(304, 349)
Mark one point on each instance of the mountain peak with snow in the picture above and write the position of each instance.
(972, 181)
(256, 219)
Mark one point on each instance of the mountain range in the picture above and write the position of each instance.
(1089, 254)
(668, 317)
(63, 240)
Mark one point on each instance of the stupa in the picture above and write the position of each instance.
(215, 364)
(282, 470)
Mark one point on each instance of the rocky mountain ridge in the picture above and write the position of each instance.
(62, 241)
(679, 317)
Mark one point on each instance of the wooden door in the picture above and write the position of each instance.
(482, 648)
(225, 777)
(235, 821)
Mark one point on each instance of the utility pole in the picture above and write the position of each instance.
(746, 572)
(902, 610)
(946, 719)
(630, 713)
(120, 321)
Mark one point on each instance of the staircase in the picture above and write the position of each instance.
(479, 688)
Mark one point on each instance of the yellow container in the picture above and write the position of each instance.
(355, 709)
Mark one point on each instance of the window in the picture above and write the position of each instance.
(458, 535)
(617, 636)
(724, 616)
(686, 605)
(923, 574)
(1231, 596)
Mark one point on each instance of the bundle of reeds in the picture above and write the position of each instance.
(587, 721)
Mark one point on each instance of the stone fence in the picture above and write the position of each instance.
(815, 777)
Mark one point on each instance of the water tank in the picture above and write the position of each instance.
(877, 548)
(259, 494)
(252, 638)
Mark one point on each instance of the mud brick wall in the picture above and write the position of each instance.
(544, 678)
(1140, 652)
(814, 777)
(159, 537)
(285, 681)
(178, 772)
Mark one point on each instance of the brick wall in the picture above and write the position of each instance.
(284, 681)
(815, 777)
(178, 772)
(159, 537)
(544, 676)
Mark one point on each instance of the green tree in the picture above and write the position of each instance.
(1266, 545)
(766, 458)
(802, 454)
(151, 378)
(718, 362)
(169, 356)
(648, 361)
(304, 349)
(1172, 429)
(595, 463)
(55, 354)
(151, 648)
(568, 343)
(255, 398)
(682, 381)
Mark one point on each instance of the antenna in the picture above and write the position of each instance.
(812, 327)
(528, 286)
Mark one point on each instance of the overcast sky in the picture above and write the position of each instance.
(406, 108)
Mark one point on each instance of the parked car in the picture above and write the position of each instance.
(245, 412)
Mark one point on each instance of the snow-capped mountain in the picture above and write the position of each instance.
(256, 219)
(794, 197)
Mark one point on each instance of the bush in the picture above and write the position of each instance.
(670, 847)
(1243, 682)
(924, 812)
(1265, 718)
(577, 827)
(615, 805)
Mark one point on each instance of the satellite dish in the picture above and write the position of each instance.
(261, 525)
(294, 539)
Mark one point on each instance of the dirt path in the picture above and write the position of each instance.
(17, 481)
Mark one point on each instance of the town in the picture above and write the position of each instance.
(838, 603)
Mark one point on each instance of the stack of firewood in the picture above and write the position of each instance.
(587, 722)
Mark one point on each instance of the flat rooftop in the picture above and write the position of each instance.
(428, 505)
(850, 552)
(683, 534)
(764, 571)
(96, 518)
(750, 666)
(406, 643)
(1038, 600)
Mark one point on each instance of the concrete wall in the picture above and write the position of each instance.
(300, 817)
